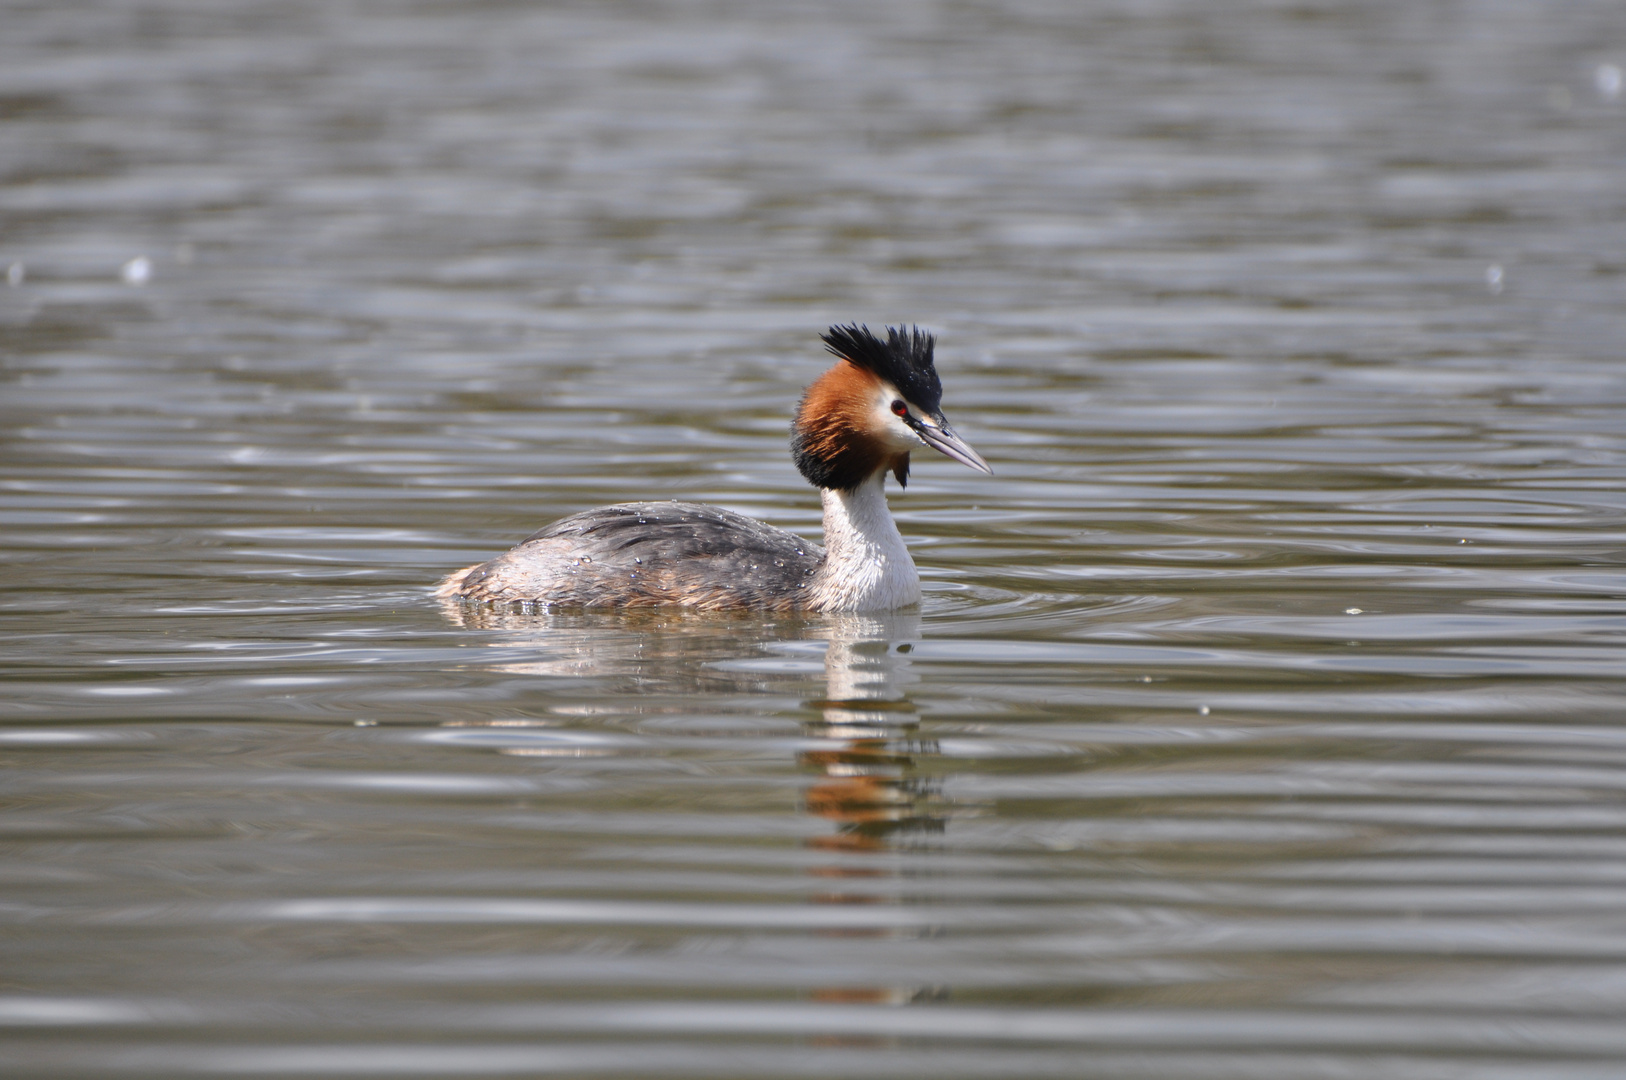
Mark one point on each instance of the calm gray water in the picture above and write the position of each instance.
(1266, 715)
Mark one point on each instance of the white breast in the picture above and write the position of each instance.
(867, 567)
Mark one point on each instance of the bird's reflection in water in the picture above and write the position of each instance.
(871, 787)
(872, 777)
(871, 782)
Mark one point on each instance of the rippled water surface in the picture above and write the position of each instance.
(1264, 717)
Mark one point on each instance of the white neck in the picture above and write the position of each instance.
(866, 566)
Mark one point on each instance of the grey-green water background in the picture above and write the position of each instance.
(1264, 717)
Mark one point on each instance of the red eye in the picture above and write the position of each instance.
(899, 408)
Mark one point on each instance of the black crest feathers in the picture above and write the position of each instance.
(829, 440)
(904, 359)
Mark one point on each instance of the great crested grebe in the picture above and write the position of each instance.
(856, 423)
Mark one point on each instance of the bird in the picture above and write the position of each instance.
(856, 424)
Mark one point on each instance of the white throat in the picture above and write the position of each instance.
(866, 567)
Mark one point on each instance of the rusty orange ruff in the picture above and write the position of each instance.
(834, 419)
